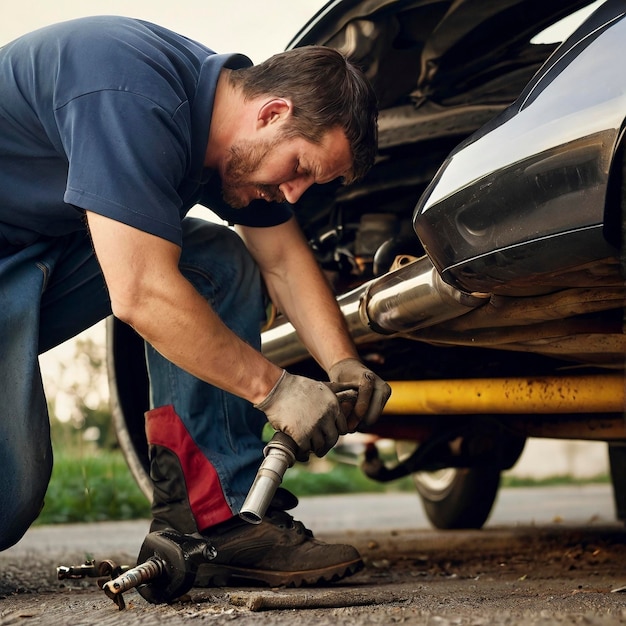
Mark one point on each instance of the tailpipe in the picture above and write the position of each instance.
(408, 298)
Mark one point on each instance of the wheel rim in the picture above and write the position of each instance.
(434, 485)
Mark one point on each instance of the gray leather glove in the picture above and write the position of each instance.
(373, 392)
(306, 410)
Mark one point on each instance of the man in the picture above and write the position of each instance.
(111, 129)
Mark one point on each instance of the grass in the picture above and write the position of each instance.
(91, 488)
(337, 479)
(552, 481)
(94, 485)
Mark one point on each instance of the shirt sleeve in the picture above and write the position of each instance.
(127, 156)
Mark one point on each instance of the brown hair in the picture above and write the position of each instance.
(326, 91)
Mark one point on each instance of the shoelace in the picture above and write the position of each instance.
(282, 519)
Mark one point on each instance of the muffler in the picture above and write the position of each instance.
(411, 297)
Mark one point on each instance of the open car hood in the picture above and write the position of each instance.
(441, 70)
(446, 51)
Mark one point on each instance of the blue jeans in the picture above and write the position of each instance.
(53, 290)
(225, 428)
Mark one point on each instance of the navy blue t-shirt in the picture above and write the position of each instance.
(112, 115)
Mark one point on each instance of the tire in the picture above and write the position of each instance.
(455, 498)
(129, 392)
(617, 467)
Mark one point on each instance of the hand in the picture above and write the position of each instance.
(306, 410)
(373, 392)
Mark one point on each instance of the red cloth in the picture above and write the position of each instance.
(206, 498)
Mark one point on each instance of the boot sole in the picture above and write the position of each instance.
(215, 575)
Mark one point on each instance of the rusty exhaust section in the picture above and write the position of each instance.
(403, 300)
(604, 393)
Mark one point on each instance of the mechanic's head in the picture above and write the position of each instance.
(326, 91)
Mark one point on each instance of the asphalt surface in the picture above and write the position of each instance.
(562, 550)
(572, 505)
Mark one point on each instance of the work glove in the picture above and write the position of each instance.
(372, 391)
(306, 410)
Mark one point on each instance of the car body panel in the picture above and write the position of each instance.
(526, 194)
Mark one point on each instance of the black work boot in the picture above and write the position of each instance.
(279, 552)
(170, 504)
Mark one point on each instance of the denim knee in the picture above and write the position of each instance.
(25, 449)
(21, 504)
(216, 261)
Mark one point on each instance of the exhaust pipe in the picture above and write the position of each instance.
(403, 300)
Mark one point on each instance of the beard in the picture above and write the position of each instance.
(245, 158)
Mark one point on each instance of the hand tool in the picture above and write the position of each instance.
(168, 563)
(90, 569)
(280, 454)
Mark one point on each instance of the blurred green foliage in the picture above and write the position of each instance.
(89, 484)
(92, 487)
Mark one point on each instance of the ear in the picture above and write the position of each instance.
(274, 110)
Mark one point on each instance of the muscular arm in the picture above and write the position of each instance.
(150, 294)
(300, 290)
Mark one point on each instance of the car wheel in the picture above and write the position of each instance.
(455, 498)
(617, 468)
(129, 391)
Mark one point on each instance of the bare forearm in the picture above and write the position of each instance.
(166, 310)
(308, 302)
(300, 290)
(312, 309)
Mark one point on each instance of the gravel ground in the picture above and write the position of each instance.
(497, 576)
(552, 573)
